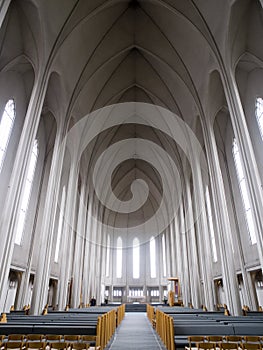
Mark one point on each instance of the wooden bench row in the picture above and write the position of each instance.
(208, 323)
(102, 326)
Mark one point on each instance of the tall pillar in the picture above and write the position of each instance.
(193, 251)
(78, 251)
(11, 208)
(41, 282)
(98, 262)
(69, 229)
(183, 246)
(179, 257)
(103, 259)
(203, 236)
(92, 271)
(168, 252)
(87, 247)
(223, 223)
(172, 249)
(249, 298)
(248, 158)
(23, 296)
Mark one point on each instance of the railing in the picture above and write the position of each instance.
(107, 324)
(120, 314)
(151, 315)
(165, 329)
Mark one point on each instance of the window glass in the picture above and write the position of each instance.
(26, 194)
(244, 193)
(119, 258)
(108, 257)
(6, 126)
(153, 257)
(136, 258)
(164, 255)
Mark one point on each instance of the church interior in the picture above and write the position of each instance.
(131, 163)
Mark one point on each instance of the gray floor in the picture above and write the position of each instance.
(135, 332)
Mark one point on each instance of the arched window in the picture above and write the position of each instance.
(211, 225)
(259, 114)
(108, 257)
(26, 194)
(164, 255)
(60, 223)
(6, 126)
(153, 257)
(136, 258)
(119, 258)
(244, 193)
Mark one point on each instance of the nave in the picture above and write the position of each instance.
(131, 137)
(136, 332)
(130, 327)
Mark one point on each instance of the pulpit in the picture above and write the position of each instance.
(174, 295)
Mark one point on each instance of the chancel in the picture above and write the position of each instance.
(131, 137)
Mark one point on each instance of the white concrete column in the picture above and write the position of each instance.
(11, 208)
(182, 243)
(223, 223)
(193, 251)
(87, 261)
(79, 250)
(69, 231)
(248, 158)
(98, 262)
(203, 236)
(103, 260)
(179, 263)
(172, 249)
(92, 269)
(249, 297)
(168, 252)
(41, 282)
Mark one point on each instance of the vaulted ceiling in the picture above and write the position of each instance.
(102, 52)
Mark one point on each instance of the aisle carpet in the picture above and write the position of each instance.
(136, 332)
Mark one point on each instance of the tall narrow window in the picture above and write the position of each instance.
(119, 258)
(26, 194)
(244, 193)
(60, 223)
(211, 225)
(136, 258)
(153, 257)
(6, 126)
(164, 255)
(108, 257)
(259, 114)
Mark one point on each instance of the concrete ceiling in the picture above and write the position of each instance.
(100, 53)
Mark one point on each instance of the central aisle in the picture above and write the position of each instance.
(135, 332)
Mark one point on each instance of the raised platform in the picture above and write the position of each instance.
(134, 307)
